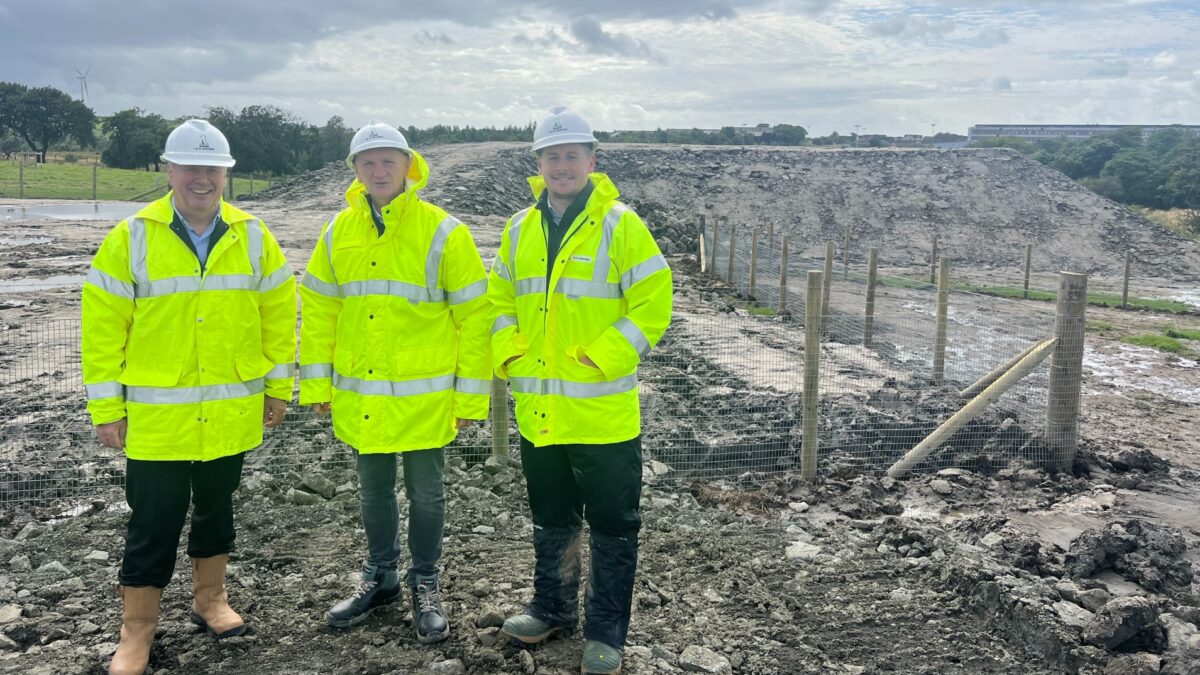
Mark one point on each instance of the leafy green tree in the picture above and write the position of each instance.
(136, 139)
(1183, 175)
(44, 116)
(1019, 144)
(1138, 175)
(1087, 158)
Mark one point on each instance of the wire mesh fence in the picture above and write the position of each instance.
(722, 394)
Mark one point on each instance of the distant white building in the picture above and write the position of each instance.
(1074, 132)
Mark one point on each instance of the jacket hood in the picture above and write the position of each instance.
(414, 182)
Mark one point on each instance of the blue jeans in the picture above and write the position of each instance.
(381, 514)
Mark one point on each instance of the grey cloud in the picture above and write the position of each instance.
(908, 26)
(426, 38)
(1002, 83)
(1110, 69)
(595, 39)
(991, 37)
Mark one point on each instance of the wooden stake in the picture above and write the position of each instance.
(1125, 286)
(939, 340)
(987, 380)
(828, 281)
(933, 262)
(1066, 368)
(95, 170)
(846, 255)
(712, 263)
(969, 411)
(753, 263)
(1028, 260)
(732, 249)
(783, 269)
(869, 319)
(812, 381)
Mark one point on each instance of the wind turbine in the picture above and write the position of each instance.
(83, 90)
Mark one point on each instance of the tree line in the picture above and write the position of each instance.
(1161, 171)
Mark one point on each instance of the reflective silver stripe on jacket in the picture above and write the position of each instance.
(137, 252)
(501, 269)
(475, 290)
(110, 284)
(212, 392)
(317, 286)
(437, 248)
(634, 334)
(470, 385)
(642, 270)
(315, 371)
(557, 387)
(531, 285)
(214, 282)
(104, 390)
(589, 289)
(503, 321)
(282, 370)
(514, 236)
(400, 289)
(275, 279)
(429, 385)
(254, 246)
(603, 256)
(329, 244)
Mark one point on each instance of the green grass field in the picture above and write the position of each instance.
(1160, 342)
(68, 181)
(1098, 299)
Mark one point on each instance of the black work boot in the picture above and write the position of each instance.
(429, 620)
(378, 588)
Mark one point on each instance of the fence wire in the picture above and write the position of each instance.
(722, 394)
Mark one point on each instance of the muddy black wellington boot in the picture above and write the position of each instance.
(429, 619)
(378, 588)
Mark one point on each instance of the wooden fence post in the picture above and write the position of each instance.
(869, 320)
(846, 255)
(753, 263)
(21, 178)
(230, 191)
(499, 416)
(1066, 368)
(95, 170)
(812, 371)
(783, 269)
(712, 262)
(1028, 265)
(732, 250)
(1125, 286)
(939, 340)
(933, 262)
(827, 279)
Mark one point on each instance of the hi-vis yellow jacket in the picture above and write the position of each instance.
(187, 355)
(395, 328)
(611, 301)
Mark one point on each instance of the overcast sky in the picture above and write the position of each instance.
(889, 67)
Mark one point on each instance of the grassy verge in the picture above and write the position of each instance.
(1160, 342)
(1182, 333)
(1098, 299)
(65, 181)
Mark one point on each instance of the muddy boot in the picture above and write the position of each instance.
(139, 620)
(378, 588)
(210, 606)
(600, 659)
(531, 630)
(429, 619)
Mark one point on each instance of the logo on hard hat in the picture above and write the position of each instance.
(373, 135)
(558, 126)
(203, 145)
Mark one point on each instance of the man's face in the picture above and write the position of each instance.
(566, 168)
(197, 188)
(382, 171)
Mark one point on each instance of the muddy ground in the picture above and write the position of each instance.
(985, 562)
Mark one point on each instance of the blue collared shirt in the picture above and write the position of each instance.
(199, 241)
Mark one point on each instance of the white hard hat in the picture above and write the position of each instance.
(198, 143)
(562, 125)
(377, 134)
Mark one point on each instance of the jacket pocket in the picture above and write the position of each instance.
(428, 360)
(252, 367)
(158, 374)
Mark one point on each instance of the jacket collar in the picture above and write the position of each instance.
(414, 182)
(161, 211)
(603, 190)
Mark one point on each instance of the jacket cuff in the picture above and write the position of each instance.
(316, 390)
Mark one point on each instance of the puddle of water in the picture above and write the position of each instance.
(27, 285)
(1134, 367)
(13, 243)
(74, 211)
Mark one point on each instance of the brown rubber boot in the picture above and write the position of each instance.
(210, 608)
(137, 630)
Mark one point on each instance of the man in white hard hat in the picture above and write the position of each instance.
(189, 324)
(580, 294)
(395, 340)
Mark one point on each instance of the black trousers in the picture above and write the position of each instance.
(602, 483)
(158, 494)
